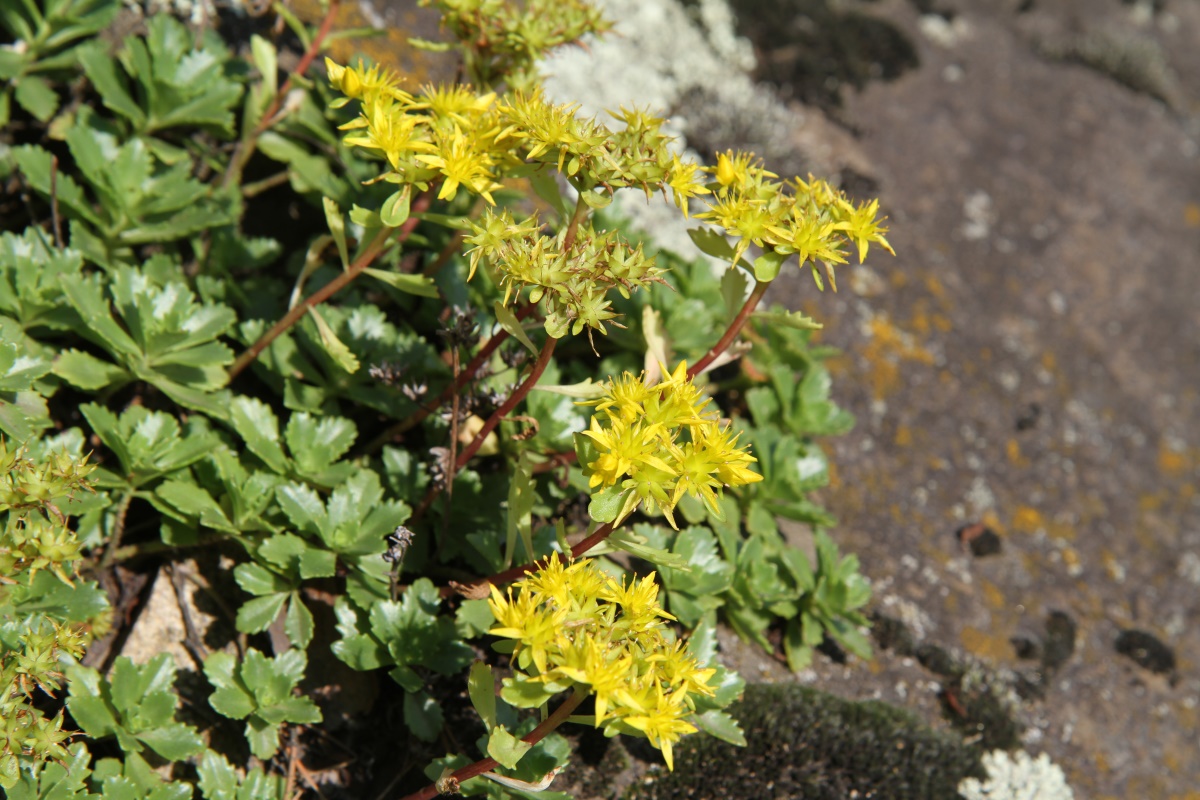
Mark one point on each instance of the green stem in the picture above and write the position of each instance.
(114, 541)
(450, 783)
(735, 327)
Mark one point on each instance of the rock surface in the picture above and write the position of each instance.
(1030, 361)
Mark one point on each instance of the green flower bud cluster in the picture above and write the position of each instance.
(25, 730)
(573, 279)
(504, 39)
(35, 535)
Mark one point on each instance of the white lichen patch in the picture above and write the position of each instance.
(1018, 778)
(635, 66)
(1189, 568)
(944, 32)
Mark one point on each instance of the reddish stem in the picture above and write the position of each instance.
(500, 413)
(466, 376)
(735, 327)
(475, 588)
(351, 272)
(551, 722)
(519, 394)
(246, 147)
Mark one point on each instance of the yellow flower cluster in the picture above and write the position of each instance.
(660, 442)
(472, 139)
(446, 133)
(809, 218)
(576, 626)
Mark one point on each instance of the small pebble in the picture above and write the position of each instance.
(1146, 650)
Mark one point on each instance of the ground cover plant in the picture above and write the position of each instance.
(449, 422)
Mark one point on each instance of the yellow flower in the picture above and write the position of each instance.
(367, 85)
(638, 600)
(455, 103)
(663, 724)
(457, 158)
(388, 128)
(861, 227)
(684, 182)
(623, 447)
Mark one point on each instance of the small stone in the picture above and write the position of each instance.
(1060, 640)
(938, 661)
(1027, 648)
(892, 634)
(1146, 650)
(981, 539)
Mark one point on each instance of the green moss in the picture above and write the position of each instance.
(807, 744)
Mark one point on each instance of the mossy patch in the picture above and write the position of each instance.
(807, 744)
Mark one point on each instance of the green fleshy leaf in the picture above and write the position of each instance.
(258, 426)
(337, 227)
(423, 716)
(334, 347)
(482, 688)
(722, 726)
(712, 243)
(606, 504)
(174, 742)
(395, 209)
(766, 266)
(509, 322)
(792, 319)
(298, 624)
(420, 285)
(506, 748)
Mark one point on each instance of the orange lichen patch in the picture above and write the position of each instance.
(390, 48)
(1012, 449)
(1112, 565)
(903, 436)
(1152, 501)
(1061, 530)
(986, 645)
(950, 603)
(1049, 362)
(1191, 215)
(934, 284)
(887, 350)
(1172, 462)
(992, 596)
(1070, 557)
(1028, 520)
(992, 521)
